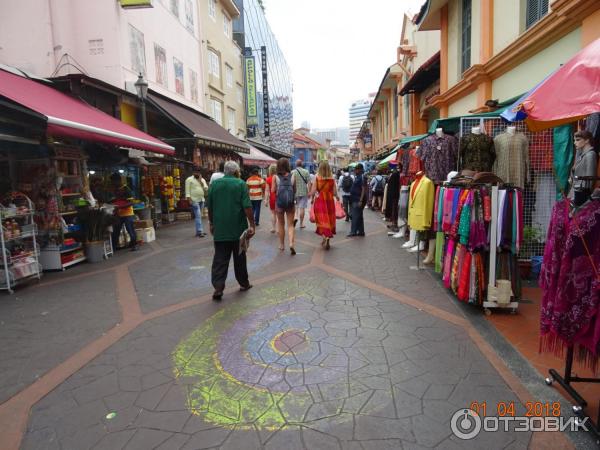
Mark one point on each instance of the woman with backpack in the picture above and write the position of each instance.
(284, 189)
(326, 191)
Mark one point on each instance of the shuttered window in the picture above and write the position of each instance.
(536, 10)
(465, 62)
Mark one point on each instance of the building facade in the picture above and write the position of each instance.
(273, 93)
(357, 113)
(338, 135)
(496, 50)
(223, 68)
(105, 41)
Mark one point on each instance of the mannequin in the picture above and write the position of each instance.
(476, 130)
(411, 240)
(477, 151)
(420, 209)
(511, 130)
(439, 153)
(586, 162)
(430, 259)
(512, 157)
(439, 132)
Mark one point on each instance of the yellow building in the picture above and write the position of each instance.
(393, 116)
(496, 50)
(222, 63)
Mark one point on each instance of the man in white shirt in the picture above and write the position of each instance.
(219, 174)
(195, 192)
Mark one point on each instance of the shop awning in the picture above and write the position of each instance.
(391, 158)
(567, 95)
(69, 117)
(424, 77)
(257, 158)
(199, 125)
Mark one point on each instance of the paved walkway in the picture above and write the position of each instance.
(346, 349)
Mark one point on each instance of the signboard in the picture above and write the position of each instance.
(368, 139)
(267, 121)
(251, 109)
(133, 4)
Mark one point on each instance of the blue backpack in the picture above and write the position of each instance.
(285, 192)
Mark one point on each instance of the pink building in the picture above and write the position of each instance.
(103, 40)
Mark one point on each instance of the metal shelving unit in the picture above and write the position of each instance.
(18, 242)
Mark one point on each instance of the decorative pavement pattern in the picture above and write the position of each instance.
(313, 357)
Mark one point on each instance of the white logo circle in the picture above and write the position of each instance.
(465, 424)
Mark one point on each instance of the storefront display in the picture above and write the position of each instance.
(18, 244)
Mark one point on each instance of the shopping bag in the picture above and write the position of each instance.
(312, 213)
(339, 210)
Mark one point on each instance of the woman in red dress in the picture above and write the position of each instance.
(325, 190)
(271, 198)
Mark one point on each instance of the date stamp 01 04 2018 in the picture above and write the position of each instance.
(509, 409)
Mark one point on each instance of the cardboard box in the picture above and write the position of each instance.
(147, 223)
(183, 216)
(146, 234)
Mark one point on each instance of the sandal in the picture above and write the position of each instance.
(327, 246)
(292, 250)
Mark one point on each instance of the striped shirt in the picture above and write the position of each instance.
(256, 187)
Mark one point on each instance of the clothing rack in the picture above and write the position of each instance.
(566, 383)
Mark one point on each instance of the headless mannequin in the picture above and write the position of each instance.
(439, 132)
(476, 130)
(511, 130)
(417, 243)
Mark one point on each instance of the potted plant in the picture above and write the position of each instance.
(531, 237)
(94, 226)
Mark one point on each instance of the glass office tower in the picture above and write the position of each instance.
(251, 31)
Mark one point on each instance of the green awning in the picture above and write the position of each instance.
(409, 139)
(452, 124)
(384, 162)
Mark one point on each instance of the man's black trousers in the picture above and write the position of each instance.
(220, 265)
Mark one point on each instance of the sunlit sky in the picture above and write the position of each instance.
(337, 50)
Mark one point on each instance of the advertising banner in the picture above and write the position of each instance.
(267, 122)
(251, 108)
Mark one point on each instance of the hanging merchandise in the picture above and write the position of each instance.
(512, 157)
(420, 207)
(570, 282)
(477, 151)
(439, 153)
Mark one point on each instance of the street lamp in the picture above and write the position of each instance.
(141, 86)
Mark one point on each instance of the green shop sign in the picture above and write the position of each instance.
(251, 107)
(133, 4)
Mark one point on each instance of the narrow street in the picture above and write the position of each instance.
(346, 349)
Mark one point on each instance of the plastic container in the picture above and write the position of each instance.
(536, 266)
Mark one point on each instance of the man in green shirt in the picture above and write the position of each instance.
(229, 213)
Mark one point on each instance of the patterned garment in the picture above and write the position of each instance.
(512, 158)
(477, 152)
(438, 155)
(571, 285)
(325, 207)
(302, 178)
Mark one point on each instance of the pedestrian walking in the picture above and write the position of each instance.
(270, 197)
(303, 185)
(344, 186)
(358, 198)
(195, 192)
(256, 189)
(325, 191)
(284, 187)
(219, 173)
(378, 188)
(123, 202)
(229, 213)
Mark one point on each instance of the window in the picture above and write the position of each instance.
(465, 62)
(178, 67)
(194, 86)
(229, 76)
(240, 94)
(212, 9)
(536, 9)
(138, 51)
(160, 64)
(231, 120)
(217, 111)
(175, 7)
(226, 26)
(214, 64)
(189, 15)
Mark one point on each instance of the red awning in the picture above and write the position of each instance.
(257, 158)
(69, 117)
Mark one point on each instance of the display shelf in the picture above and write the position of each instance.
(69, 250)
(72, 263)
(25, 235)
